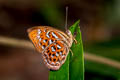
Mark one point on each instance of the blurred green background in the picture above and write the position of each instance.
(100, 27)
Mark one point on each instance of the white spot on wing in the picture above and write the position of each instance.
(53, 49)
(39, 39)
(60, 53)
(58, 46)
(54, 35)
(43, 47)
(39, 31)
(57, 54)
(50, 42)
(52, 56)
(44, 41)
(38, 36)
(47, 34)
(52, 63)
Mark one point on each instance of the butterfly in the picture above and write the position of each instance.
(53, 44)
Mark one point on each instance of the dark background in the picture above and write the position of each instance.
(99, 23)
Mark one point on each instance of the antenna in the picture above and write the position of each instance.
(66, 17)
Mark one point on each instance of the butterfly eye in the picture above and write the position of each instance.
(68, 32)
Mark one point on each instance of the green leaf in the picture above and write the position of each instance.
(73, 68)
(76, 67)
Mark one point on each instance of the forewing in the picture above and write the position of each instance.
(42, 37)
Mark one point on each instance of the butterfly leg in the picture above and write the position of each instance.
(74, 39)
(71, 51)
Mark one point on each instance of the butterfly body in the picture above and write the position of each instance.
(52, 43)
